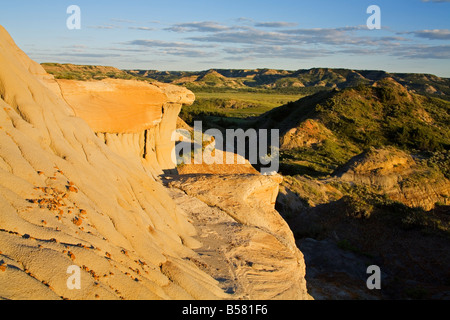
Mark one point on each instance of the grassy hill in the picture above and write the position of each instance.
(87, 72)
(298, 82)
(367, 174)
(357, 119)
(225, 97)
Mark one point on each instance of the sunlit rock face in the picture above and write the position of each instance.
(80, 186)
(67, 199)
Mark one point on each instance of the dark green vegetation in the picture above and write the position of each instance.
(225, 97)
(378, 215)
(360, 118)
(410, 245)
(336, 123)
(221, 107)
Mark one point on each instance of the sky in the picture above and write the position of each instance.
(195, 35)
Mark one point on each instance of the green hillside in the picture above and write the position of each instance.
(88, 72)
(296, 82)
(360, 118)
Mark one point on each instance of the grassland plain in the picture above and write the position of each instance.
(233, 108)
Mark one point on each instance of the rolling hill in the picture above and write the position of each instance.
(366, 181)
(299, 81)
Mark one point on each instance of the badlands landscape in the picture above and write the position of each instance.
(82, 184)
(88, 180)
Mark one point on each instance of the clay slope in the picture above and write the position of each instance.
(229, 199)
(399, 176)
(67, 199)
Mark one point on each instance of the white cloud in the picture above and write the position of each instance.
(142, 28)
(279, 24)
(436, 34)
(205, 26)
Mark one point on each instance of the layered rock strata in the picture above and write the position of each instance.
(134, 118)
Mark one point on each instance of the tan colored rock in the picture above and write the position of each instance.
(115, 106)
(176, 94)
(395, 173)
(244, 240)
(121, 227)
(248, 199)
(125, 209)
(134, 118)
(383, 167)
(308, 133)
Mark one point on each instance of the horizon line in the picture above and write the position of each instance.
(240, 69)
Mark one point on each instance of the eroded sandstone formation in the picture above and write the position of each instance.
(134, 118)
(69, 198)
(399, 176)
(258, 257)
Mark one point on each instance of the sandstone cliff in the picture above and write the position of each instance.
(79, 187)
(134, 118)
(67, 199)
(246, 242)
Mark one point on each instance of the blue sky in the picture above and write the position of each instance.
(240, 34)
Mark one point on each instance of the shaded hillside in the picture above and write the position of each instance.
(367, 183)
(329, 128)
